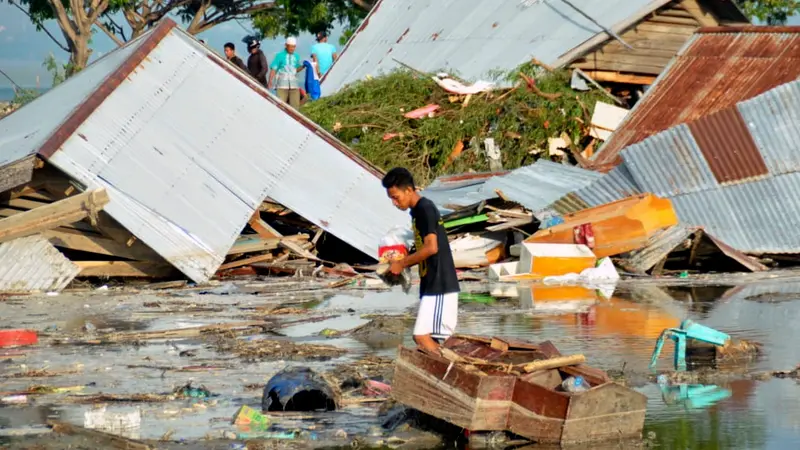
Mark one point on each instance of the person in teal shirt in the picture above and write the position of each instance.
(285, 68)
(324, 53)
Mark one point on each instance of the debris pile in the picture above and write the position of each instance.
(411, 119)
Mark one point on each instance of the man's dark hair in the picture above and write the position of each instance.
(321, 35)
(230, 45)
(398, 177)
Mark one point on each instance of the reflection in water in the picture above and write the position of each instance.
(693, 396)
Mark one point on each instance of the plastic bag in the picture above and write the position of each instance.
(396, 244)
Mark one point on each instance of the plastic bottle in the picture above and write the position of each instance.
(575, 384)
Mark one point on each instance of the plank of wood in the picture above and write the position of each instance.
(555, 363)
(100, 438)
(101, 245)
(124, 269)
(51, 216)
(499, 344)
(612, 66)
(294, 247)
(262, 228)
(509, 213)
(246, 261)
(248, 244)
(510, 224)
(671, 20)
(616, 77)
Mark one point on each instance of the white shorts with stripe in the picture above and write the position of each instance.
(437, 315)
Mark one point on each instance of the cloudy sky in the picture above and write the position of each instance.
(23, 49)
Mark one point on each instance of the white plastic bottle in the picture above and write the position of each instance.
(575, 384)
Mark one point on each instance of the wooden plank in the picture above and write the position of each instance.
(247, 244)
(616, 77)
(124, 269)
(670, 20)
(663, 28)
(699, 13)
(111, 228)
(610, 66)
(75, 240)
(294, 247)
(246, 261)
(555, 363)
(16, 173)
(262, 228)
(51, 216)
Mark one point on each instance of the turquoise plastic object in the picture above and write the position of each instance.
(694, 395)
(687, 330)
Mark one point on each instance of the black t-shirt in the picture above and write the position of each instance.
(438, 272)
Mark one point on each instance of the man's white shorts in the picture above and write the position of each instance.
(437, 315)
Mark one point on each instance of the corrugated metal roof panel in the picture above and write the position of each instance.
(539, 185)
(615, 185)
(33, 264)
(716, 69)
(773, 119)
(669, 163)
(754, 217)
(473, 37)
(185, 173)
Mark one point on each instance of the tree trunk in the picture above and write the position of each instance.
(79, 55)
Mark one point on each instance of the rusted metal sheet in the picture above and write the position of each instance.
(32, 264)
(714, 70)
(669, 163)
(727, 146)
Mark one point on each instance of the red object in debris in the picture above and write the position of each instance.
(388, 136)
(374, 388)
(421, 112)
(584, 234)
(400, 248)
(17, 338)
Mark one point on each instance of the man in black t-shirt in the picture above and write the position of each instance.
(438, 288)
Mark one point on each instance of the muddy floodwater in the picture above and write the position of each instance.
(616, 334)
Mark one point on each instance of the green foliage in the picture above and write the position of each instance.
(24, 96)
(291, 17)
(771, 12)
(520, 122)
(59, 73)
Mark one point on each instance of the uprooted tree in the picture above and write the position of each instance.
(291, 17)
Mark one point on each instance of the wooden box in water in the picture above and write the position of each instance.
(540, 411)
(488, 390)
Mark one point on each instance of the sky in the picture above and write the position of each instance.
(23, 49)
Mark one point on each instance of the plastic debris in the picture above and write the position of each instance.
(298, 389)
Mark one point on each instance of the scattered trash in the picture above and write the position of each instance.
(419, 113)
(18, 338)
(192, 392)
(543, 260)
(298, 389)
(252, 418)
(375, 388)
(695, 337)
(606, 119)
(126, 424)
(456, 87)
(14, 400)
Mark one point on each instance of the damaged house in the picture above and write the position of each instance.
(628, 42)
(159, 154)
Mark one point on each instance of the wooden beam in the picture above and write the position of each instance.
(124, 269)
(53, 215)
(616, 77)
(294, 247)
(102, 245)
(699, 13)
(262, 228)
(254, 244)
(246, 261)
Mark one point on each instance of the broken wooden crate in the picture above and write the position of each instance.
(496, 384)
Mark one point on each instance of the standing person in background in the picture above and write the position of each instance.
(324, 53)
(312, 79)
(257, 62)
(285, 67)
(230, 53)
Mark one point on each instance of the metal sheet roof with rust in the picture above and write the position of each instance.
(184, 171)
(717, 68)
(476, 37)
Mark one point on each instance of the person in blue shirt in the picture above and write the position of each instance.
(323, 53)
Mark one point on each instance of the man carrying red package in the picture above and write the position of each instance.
(438, 289)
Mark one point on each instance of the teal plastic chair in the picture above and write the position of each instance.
(687, 330)
(694, 396)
